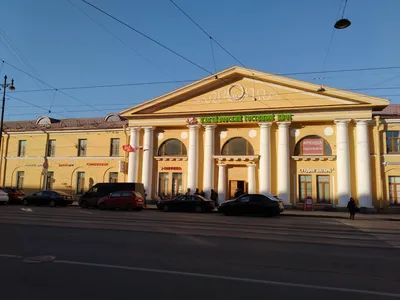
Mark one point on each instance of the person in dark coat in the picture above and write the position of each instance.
(352, 207)
(238, 193)
(196, 192)
(202, 193)
(214, 196)
(187, 192)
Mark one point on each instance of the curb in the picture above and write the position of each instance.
(339, 217)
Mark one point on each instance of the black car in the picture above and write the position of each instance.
(251, 204)
(50, 198)
(187, 203)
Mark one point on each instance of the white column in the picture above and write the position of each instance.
(147, 167)
(221, 183)
(133, 162)
(193, 159)
(363, 164)
(283, 162)
(265, 158)
(208, 171)
(343, 162)
(251, 177)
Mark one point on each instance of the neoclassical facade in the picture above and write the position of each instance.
(264, 134)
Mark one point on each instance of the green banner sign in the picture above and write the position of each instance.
(244, 119)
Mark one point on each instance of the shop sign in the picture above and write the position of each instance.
(171, 169)
(121, 166)
(315, 170)
(65, 165)
(313, 146)
(246, 118)
(309, 203)
(97, 164)
(33, 165)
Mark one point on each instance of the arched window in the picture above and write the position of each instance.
(172, 147)
(313, 145)
(112, 117)
(237, 146)
(43, 121)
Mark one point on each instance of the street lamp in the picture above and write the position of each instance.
(5, 85)
(342, 23)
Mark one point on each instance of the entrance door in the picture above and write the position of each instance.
(394, 189)
(236, 184)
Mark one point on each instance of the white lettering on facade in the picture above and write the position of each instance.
(315, 170)
(236, 92)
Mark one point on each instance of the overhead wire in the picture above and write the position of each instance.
(121, 40)
(147, 37)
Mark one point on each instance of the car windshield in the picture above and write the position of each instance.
(270, 196)
(61, 193)
(201, 197)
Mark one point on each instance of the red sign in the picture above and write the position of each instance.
(313, 146)
(129, 148)
(45, 165)
(171, 169)
(97, 164)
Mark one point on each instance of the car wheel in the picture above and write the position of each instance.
(199, 209)
(25, 203)
(165, 208)
(129, 206)
(102, 206)
(52, 203)
(84, 204)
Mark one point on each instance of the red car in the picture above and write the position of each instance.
(14, 195)
(122, 200)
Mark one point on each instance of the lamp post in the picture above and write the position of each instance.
(5, 85)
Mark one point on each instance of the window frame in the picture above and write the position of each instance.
(304, 183)
(392, 141)
(51, 149)
(22, 148)
(114, 149)
(161, 150)
(298, 149)
(78, 183)
(109, 177)
(18, 181)
(248, 146)
(82, 146)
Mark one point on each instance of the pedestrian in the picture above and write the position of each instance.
(202, 193)
(196, 192)
(352, 207)
(214, 196)
(187, 192)
(238, 193)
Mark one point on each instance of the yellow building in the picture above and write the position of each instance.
(239, 128)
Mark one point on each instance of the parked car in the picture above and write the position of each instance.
(188, 203)
(51, 198)
(100, 190)
(251, 204)
(14, 194)
(122, 200)
(3, 197)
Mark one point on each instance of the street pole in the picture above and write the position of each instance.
(12, 88)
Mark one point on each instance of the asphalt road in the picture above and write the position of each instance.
(154, 255)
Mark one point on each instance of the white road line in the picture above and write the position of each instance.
(197, 240)
(26, 209)
(86, 212)
(237, 279)
(10, 256)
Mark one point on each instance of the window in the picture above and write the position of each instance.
(20, 179)
(172, 147)
(126, 194)
(49, 180)
(237, 146)
(82, 146)
(394, 189)
(113, 177)
(176, 184)
(244, 198)
(312, 145)
(323, 187)
(115, 194)
(305, 187)
(80, 183)
(393, 141)
(114, 147)
(163, 184)
(21, 148)
(51, 148)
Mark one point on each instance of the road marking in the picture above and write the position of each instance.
(10, 256)
(197, 240)
(238, 279)
(86, 212)
(27, 209)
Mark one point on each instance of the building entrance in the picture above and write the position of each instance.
(236, 184)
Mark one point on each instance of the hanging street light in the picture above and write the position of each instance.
(343, 23)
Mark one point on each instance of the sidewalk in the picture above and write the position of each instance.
(341, 215)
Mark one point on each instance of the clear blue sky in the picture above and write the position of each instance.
(67, 49)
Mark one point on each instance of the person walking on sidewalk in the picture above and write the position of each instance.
(352, 207)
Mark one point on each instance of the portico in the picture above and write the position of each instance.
(212, 135)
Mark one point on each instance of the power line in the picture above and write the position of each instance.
(147, 37)
(121, 40)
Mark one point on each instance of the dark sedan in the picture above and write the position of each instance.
(251, 204)
(189, 203)
(50, 198)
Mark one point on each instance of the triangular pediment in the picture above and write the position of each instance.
(243, 90)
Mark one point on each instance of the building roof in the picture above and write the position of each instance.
(392, 111)
(111, 121)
